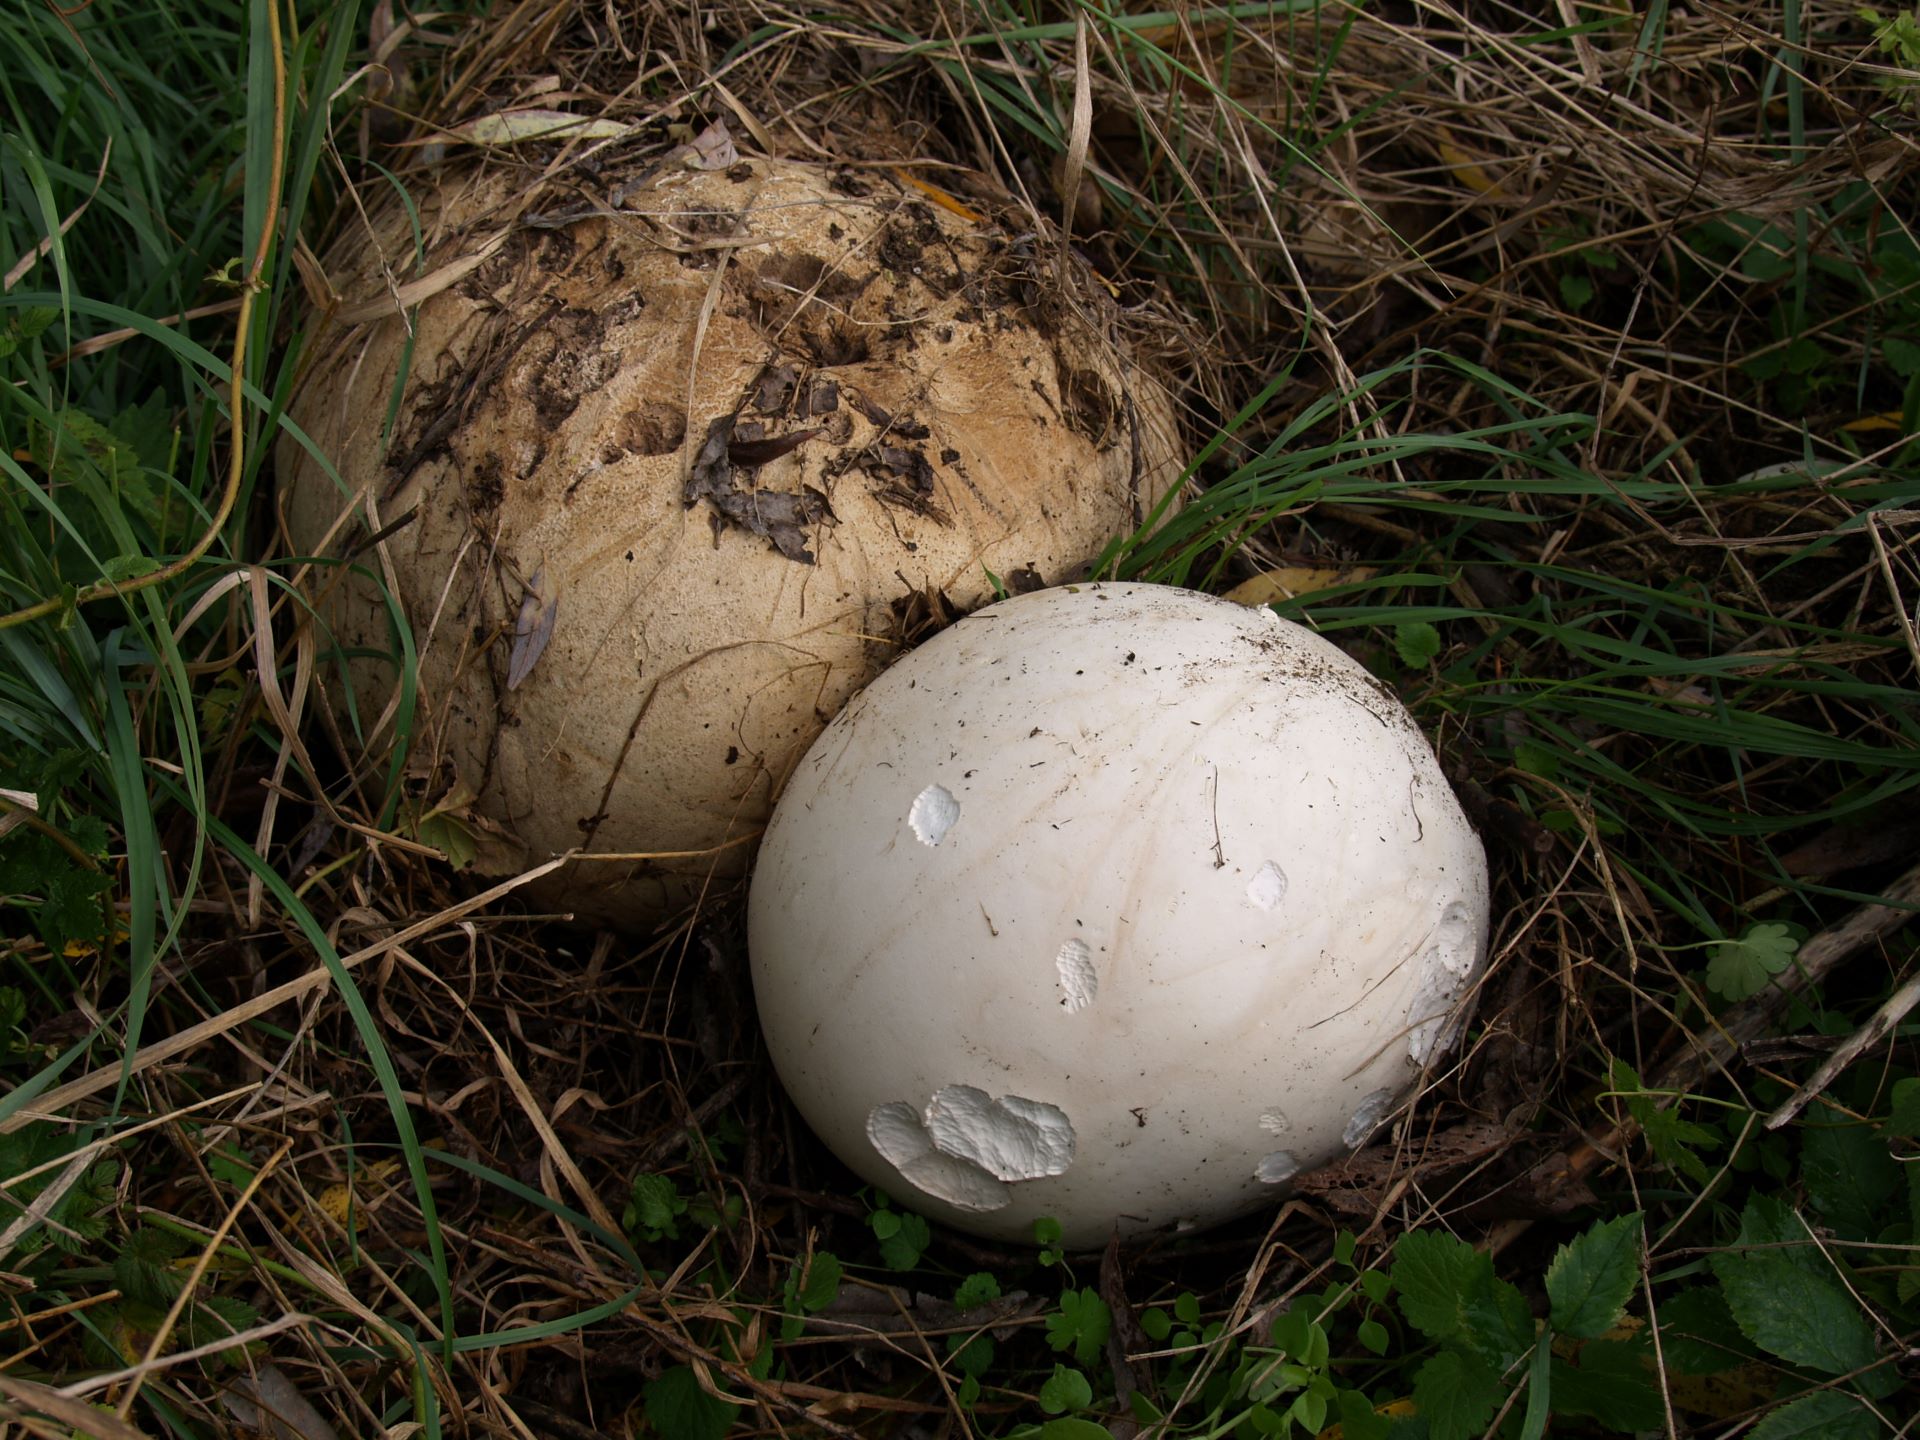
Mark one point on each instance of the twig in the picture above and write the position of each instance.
(1877, 1028)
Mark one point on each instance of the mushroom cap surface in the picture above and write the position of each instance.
(1114, 903)
(665, 470)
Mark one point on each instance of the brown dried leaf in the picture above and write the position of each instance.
(711, 149)
(778, 515)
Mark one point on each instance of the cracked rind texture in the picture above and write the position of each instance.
(1128, 761)
(943, 416)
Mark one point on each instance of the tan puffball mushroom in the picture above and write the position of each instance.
(665, 475)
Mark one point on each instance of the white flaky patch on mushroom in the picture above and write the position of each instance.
(1366, 1119)
(1012, 1137)
(933, 814)
(1448, 962)
(1275, 1122)
(1268, 887)
(968, 1145)
(902, 1140)
(1079, 982)
(1276, 1169)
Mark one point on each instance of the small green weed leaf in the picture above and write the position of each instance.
(215, 1317)
(1073, 1429)
(884, 1223)
(448, 833)
(89, 832)
(1537, 759)
(1046, 1231)
(1373, 1335)
(1066, 1389)
(1590, 1279)
(1902, 357)
(1186, 1308)
(23, 326)
(1358, 1418)
(822, 1285)
(1824, 1415)
(1156, 1324)
(1848, 1174)
(143, 1270)
(680, 1410)
(1416, 644)
(1456, 1394)
(1344, 1245)
(1310, 1410)
(902, 1249)
(71, 912)
(976, 1290)
(1802, 1318)
(653, 1208)
(1698, 1335)
(1614, 1383)
(1904, 1122)
(972, 1354)
(1576, 291)
(1376, 1285)
(1081, 1324)
(1744, 967)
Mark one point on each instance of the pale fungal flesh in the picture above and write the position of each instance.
(1079, 981)
(967, 1148)
(1276, 1168)
(1268, 886)
(933, 813)
(1210, 896)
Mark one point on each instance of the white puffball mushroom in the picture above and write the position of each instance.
(1115, 903)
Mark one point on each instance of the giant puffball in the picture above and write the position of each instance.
(1113, 903)
(667, 466)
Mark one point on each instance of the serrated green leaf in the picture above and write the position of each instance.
(822, 1285)
(1802, 1318)
(1904, 1120)
(680, 1410)
(1416, 644)
(654, 1207)
(71, 911)
(1081, 1324)
(1576, 291)
(1614, 1382)
(1456, 1394)
(972, 1354)
(1698, 1335)
(1434, 1273)
(1848, 1174)
(976, 1290)
(1591, 1278)
(1824, 1415)
(1744, 967)
(1066, 1389)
